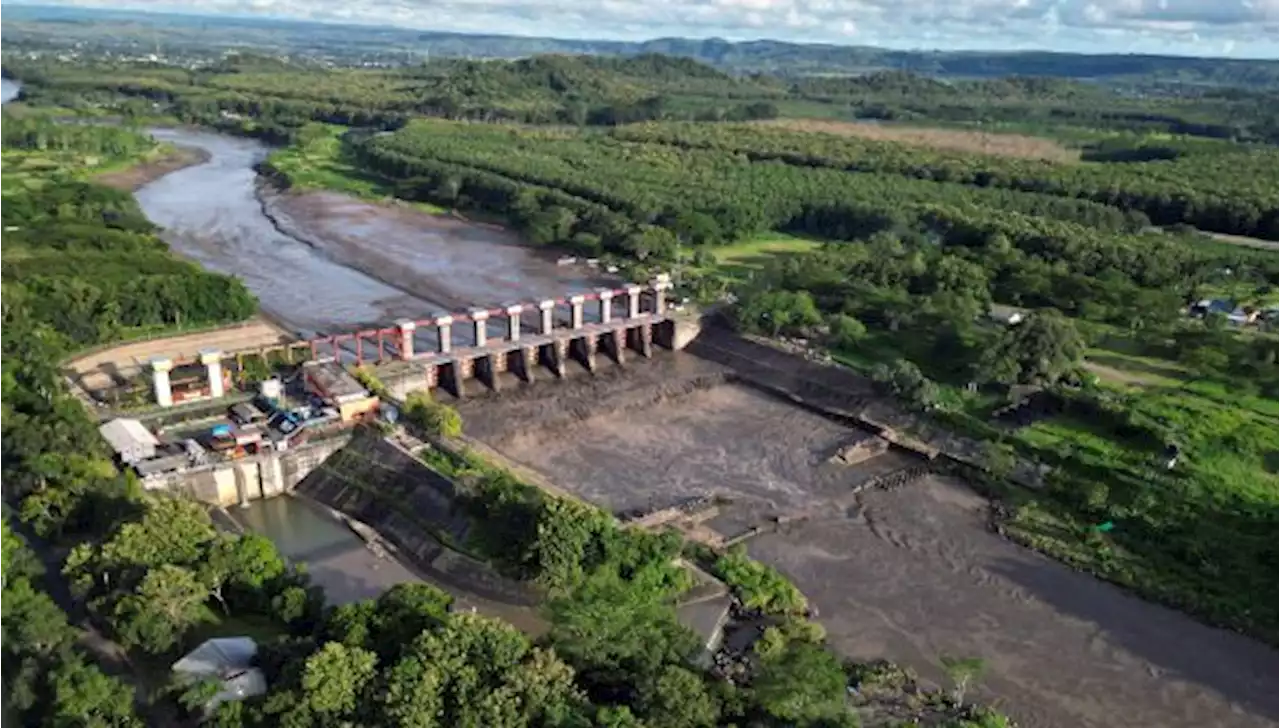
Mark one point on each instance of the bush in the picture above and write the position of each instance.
(432, 417)
(759, 586)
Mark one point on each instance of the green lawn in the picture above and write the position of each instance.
(319, 162)
(756, 251)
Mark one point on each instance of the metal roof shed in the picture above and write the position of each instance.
(130, 440)
(228, 660)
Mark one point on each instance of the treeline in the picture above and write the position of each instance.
(1228, 192)
(548, 89)
(704, 197)
(83, 260)
(42, 134)
(47, 680)
(1030, 101)
(614, 90)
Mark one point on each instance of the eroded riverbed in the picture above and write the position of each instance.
(321, 262)
(909, 574)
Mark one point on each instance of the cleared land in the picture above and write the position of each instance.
(907, 574)
(1000, 145)
(103, 368)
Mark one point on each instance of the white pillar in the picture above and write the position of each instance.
(633, 301)
(160, 368)
(513, 321)
(660, 286)
(481, 319)
(606, 305)
(575, 311)
(547, 308)
(405, 327)
(212, 361)
(444, 333)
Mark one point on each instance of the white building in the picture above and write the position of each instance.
(131, 441)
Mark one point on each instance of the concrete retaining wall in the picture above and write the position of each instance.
(412, 507)
(252, 478)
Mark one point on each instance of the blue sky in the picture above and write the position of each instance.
(1240, 28)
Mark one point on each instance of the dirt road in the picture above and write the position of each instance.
(104, 367)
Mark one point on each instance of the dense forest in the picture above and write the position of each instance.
(614, 90)
(81, 259)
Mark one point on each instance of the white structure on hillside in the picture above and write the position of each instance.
(228, 660)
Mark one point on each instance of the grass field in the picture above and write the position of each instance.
(1192, 536)
(1019, 146)
(319, 162)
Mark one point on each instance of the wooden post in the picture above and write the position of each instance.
(359, 350)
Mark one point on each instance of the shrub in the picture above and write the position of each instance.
(432, 417)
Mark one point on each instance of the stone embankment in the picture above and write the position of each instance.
(411, 508)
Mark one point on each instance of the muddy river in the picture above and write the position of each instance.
(324, 263)
(910, 574)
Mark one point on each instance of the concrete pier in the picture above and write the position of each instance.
(575, 311)
(444, 333)
(547, 321)
(160, 368)
(605, 296)
(404, 332)
(212, 361)
(513, 321)
(480, 321)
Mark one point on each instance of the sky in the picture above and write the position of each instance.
(1237, 28)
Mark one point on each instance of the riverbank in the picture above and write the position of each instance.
(169, 158)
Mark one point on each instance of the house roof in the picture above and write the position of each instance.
(228, 660)
(124, 435)
(218, 656)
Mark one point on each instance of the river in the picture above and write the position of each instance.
(8, 90)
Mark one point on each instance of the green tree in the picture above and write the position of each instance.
(678, 698)
(247, 561)
(963, 671)
(846, 331)
(803, 684)
(33, 623)
(84, 696)
(905, 380)
(334, 677)
(169, 601)
(1039, 350)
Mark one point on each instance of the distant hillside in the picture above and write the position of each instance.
(144, 30)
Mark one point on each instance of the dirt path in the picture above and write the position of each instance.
(907, 574)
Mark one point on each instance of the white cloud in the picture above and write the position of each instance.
(1239, 27)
